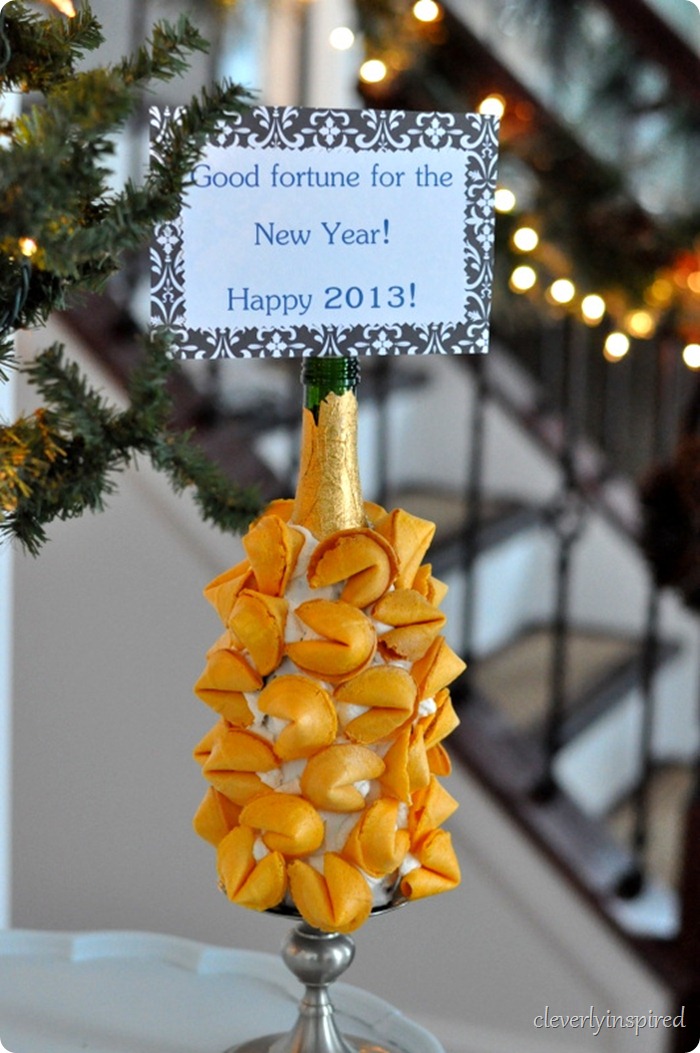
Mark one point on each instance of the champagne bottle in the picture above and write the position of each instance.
(329, 494)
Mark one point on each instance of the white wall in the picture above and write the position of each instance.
(9, 107)
(6, 597)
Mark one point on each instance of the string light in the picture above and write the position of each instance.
(426, 11)
(640, 324)
(341, 38)
(526, 239)
(28, 247)
(593, 309)
(523, 278)
(504, 200)
(494, 105)
(64, 6)
(659, 293)
(561, 291)
(616, 346)
(694, 282)
(691, 356)
(373, 71)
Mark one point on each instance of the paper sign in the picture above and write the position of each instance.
(332, 232)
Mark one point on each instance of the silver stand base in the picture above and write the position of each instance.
(316, 959)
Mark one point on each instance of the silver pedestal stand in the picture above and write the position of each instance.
(317, 959)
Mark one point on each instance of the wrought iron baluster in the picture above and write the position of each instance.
(474, 511)
(567, 521)
(615, 437)
(633, 882)
(690, 873)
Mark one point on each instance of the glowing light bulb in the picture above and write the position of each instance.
(562, 291)
(592, 308)
(504, 200)
(494, 105)
(640, 323)
(523, 278)
(526, 239)
(659, 293)
(28, 247)
(616, 346)
(341, 38)
(64, 6)
(373, 71)
(691, 356)
(694, 282)
(426, 10)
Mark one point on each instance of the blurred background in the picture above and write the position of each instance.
(562, 469)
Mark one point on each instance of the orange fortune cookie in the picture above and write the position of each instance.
(409, 537)
(389, 695)
(438, 870)
(345, 641)
(257, 884)
(362, 559)
(273, 548)
(339, 900)
(309, 710)
(332, 779)
(288, 823)
(415, 623)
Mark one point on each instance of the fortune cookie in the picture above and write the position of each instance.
(432, 806)
(215, 817)
(376, 844)
(288, 823)
(415, 623)
(257, 622)
(282, 507)
(438, 870)
(406, 766)
(247, 881)
(339, 900)
(345, 640)
(333, 779)
(439, 760)
(307, 707)
(234, 762)
(438, 725)
(213, 687)
(222, 591)
(362, 559)
(389, 695)
(204, 747)
(432, 588)
(273, 548)
(409, 537)
(438, 667)
(227, 671)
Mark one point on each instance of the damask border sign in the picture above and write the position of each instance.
(470, 142)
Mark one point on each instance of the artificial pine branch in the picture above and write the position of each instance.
(63, 460)
(58, 209)
(44, 51)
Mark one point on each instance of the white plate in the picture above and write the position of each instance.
(134, 992)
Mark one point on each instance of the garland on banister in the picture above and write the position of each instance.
(63, 229)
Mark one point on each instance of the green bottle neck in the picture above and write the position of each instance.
(324, 376)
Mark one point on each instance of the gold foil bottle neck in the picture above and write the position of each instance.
(329, 494)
